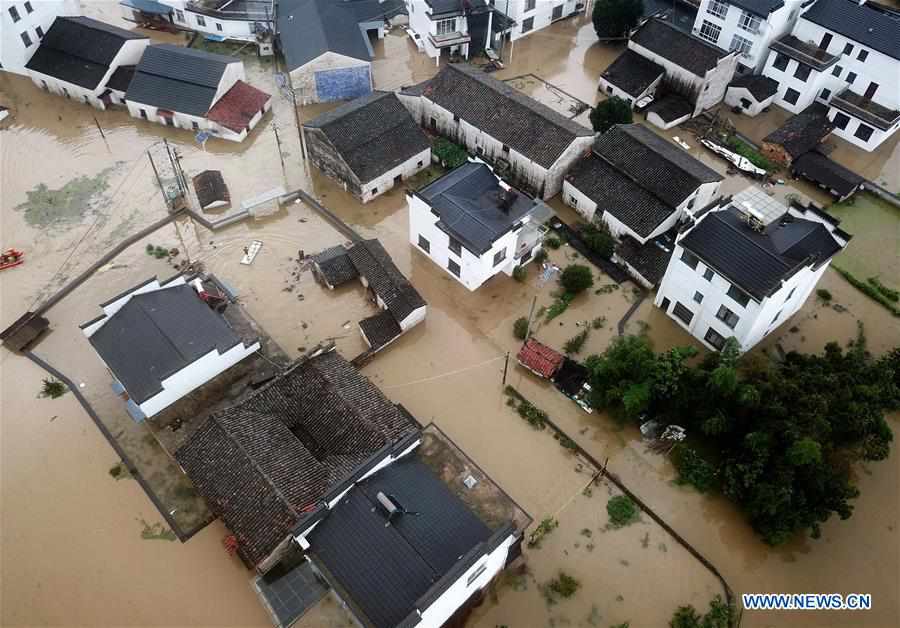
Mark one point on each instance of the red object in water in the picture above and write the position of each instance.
(231, 544)
(10, 258)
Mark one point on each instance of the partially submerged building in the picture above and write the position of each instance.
(160, 341)
(746, 266)
(474, 225)
(236, 20)
(839, 181)
(195, 90)
(78, 56)
(529, 144)
(24, 25)
(211, 190)
(460, 27)
(799, 134)
(368, 145)
(751, 93)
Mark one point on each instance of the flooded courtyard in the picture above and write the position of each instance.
(81, 547)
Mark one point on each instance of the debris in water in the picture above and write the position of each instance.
(251, 252)
(156, 532)
(120, 472)
(65, 205)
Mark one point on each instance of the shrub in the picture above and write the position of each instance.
(552, 242)
(448, 153)
(693, 469)
(598, 239)
(559, 306)
(545, 527)
(520, 328)
(540, 256)
(575, 343)
(614, 18)
(520, 273)
(685, 617)
(869, 290)
(744, 149)
(824, 295)
(598, 322)
(609, 113)
(535, 416)
(622, 511)
(889, 293)
(563, 586)
(52, 388)
(576, 278)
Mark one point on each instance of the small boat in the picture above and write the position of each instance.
(251, 252)
(11, 258)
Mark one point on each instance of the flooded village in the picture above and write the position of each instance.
(299, 350)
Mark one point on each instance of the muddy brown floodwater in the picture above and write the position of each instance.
(79, 547)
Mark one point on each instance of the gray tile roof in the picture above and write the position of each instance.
(504, 113)
(374, 263)
(650, 259)
(758, 7)
(262, 462)
(335, 265)
(671, 107)
(818, 168)
(758, 261)
(373, 134)
(309, 28)
(386, 569)
(802, 132)
(121, 78)
(761, 87)
(469, 201)
(633, 73)
(157, 334)
(871, 25)
(380, 329)
(179, 79)
(683, 49)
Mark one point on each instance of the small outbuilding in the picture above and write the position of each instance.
(669, 111)
(631, 77)
(840, 182)
(211, 189)
(799, 135)
(751, 93)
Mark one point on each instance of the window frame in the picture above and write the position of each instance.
(14, 14)
(499, 257)
(837, 71)
(698, 297)
(689, 259)
(738, 296)
(745, 45)
(783, 66)
(802, 72)
(530, 5)
(715, 6)
(749, 22)
(450, 266)
(844, 120)
(848, 48)
(867, 131)
(851, 77)
(454, 246)
(788, 95)
(201, 21)
(714, 341)
(728, 317)
(686, 312)
(28, 8)
(39, 32)
(863, 55)
(424, 244)
(710, 272)
(825, 94)
(179, 16)
(440, 27)
(709, 26)
(26, 39)
(530, 25)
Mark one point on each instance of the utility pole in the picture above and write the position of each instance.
(505, 366)
(278, 142)
(158, 180)
(530, 314)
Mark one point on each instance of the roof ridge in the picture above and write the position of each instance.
(631, 178)
(139, 304)
(741, 233)
(673, 151)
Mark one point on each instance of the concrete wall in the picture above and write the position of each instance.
(542, 13)
(14, 54)
(329, 77)
(735, 95)
(611, 90)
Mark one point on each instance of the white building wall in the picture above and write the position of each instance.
(14, 54)
(541, 14)
(385, 182)
(848, 133)
(415, 317)
(580, 202)
(234, 29)
(611, 90)
(734, 96)
(808, 89)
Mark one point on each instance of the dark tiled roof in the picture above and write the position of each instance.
(373, 134)
(380, 329)
(504, 113)
(649, 260)
(758, 261)
(335, 265)
(210, 187)
(802, 132)
(804, 52)
(865, 109)
(443, 7)
(671, 107)
(633, 73)
(819, 168)
(121, 78)
(237, 107)
(309, 28)
(539, 358)
(374, 263)
(685, 50)
(758, 7)
(468, 201)
(178, 79)
(79, 50)
(386, 569)
(157, 334)
(869, 24)
(761, 87)
(261, 463)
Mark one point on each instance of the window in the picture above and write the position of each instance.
(777, 316)
(179, 15)
(500, 256)
(418, 164)
(530, 4)
(863, 54)
(424, 244)
(14, 14)
(727, 316)
(682, 313)
(690, 204)
(708, 274)
(557, 12)
(445, 27)
(837, 71)
(505, 149)
(474, 575)
(749, 22)
(26, 39)
(65, 92)
(841, 120)
(374, 190)
(714, 338)
(710, 32)
(741, 44)
(455, 118)
(28, 7)
(739, 296)
(218, 26)
(870, 91)
(717, 8)
(39, 31)
(781, 61)
(144, 114)
(851, 77)
(826, 94)
(689, 258)
(826, 41)
(453, 267)
(791, 96)
(527, 25)
(802, 72)
(698, 298)
(573, 202)
(746, 104)
(790, 294)
(864, 132)
(455, 246)
(194, 125)
(848, 49)
(201, 21)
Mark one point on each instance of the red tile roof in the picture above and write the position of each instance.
(539, 358)
(238, 106)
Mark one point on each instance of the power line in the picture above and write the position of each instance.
(447, 374)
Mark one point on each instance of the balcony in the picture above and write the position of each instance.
(533, 231)
(804, 52)
(865, 109)
(449, 39)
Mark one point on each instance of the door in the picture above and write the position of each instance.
(557, 12)
(398, 179)
(665, 304)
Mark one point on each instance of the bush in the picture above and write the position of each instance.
(889, 293)
(598, 322)
(599, 240)
(609, 113)
(575, 343)
(449, 154)
(744, 149)
(535, 416)
(614, 18)
(552, 242)
(824, 295)
(563, 586)
(559, 306)
(622, 511)
(718, 616)
(693, 469)
(540, 256)
(544, 528)
(869, 290)
(52, 388)
(685, 617)
(520, 328)
(576, 278)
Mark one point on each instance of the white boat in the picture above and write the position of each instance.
(738, 161)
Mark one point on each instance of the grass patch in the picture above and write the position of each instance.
(558, 306)
(607, 289)
(449, 154)
(823, 295)
(622, 511)
(545, 527)
(156, 532)
(563, 586)
(52, 388)
(744, 149)
(871, 290)
(575, 343)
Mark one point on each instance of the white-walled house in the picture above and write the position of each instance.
(845, 54)
(638, 184)
(751, 93)
(474, 226)
(236, 20)
(746, 266)
(160, 341)
(533, 15)
(369, 145)
(195, 90)
(746, 26)
(24, 25)
(529, 144)
(78, 56)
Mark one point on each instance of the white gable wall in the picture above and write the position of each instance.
(14, 54)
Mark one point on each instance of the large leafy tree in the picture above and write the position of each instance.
(609, 113)
(614, 18)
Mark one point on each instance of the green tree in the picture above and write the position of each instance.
(576, 278)
(614, 18)
(609, 113)
(598, 239)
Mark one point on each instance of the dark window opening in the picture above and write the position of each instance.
(870, 91)
(455, 118)
(505, 149)
(201, 21)
(144, 114)
(14, 14)
(690, 259)
(863, 54)
(527, 25)
(665, 304)
(851, 77)
(26, 39)
(848, 48)
(499, 256)
(714, 338)
(455, 246)
(727, 316)
(453, 267)
(39, 31)
(864, 132)
(424, 244)
(682, 313)
(802, 72)
(781, 61)
(433, 123)
(746, 104)
(826, 39)
(841, 120)
(374, 190)
(218, 26)
(791, 96)
(837, 71)
(708, 274)
(698, 297)
(739, 296)
(28, 7)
